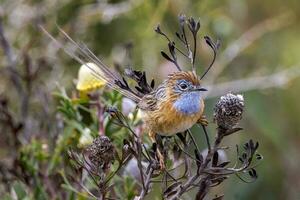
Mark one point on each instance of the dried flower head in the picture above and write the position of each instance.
(101, 153)
(228, 110)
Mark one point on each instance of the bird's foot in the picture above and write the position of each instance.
(203, 121)
(159, 155)
(161, 160)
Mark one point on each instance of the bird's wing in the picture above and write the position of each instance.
(148, 103)
(151, 100)
(82, 54)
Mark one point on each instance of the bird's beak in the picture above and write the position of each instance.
(199, 88)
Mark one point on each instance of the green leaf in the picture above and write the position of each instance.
(20, 190)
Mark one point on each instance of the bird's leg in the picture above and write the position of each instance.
(202, 120)
(159, 154)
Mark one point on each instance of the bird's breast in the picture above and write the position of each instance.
(175, 116)
(188, 103)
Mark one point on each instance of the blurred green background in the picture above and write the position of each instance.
(259, 57)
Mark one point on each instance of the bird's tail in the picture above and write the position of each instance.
(82, 54)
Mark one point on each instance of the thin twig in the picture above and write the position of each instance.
(193, 140)
(206, 137)
(147, 184)
(16, 80)
(87, 190)
(278, 79)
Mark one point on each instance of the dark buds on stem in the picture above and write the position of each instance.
(215, 47)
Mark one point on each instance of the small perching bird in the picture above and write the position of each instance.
(174, 106)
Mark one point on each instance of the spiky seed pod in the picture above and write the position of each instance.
(101, 153)
(228, 110)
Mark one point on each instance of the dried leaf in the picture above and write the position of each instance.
(215, 159)
(219, 197)
(152, 84)
(166, 56)
(258, 156)
(179, 36)
(224, 164)
(199, 158)
(171, 188)
(157, 29)
(209, 41)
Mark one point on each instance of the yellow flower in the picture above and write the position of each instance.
(85, 138)
(87, 81)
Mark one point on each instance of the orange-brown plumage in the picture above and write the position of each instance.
(187, 75)
(165, 119)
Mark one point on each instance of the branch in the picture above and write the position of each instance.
(278, 79)
(147, 184)
(109, 11)
(14, 76)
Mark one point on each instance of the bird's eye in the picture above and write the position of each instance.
(183, 86)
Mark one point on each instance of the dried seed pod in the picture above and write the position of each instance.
(101, 153)
(228, 110)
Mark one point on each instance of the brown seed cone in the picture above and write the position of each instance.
(228, 111)
(101, 153)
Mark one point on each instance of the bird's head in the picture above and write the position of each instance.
(185, 92)
(183, 82)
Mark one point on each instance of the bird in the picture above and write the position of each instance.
(172, 107)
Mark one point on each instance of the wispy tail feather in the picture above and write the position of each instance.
(82, 54)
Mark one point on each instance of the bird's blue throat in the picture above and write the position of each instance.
(188, 103)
